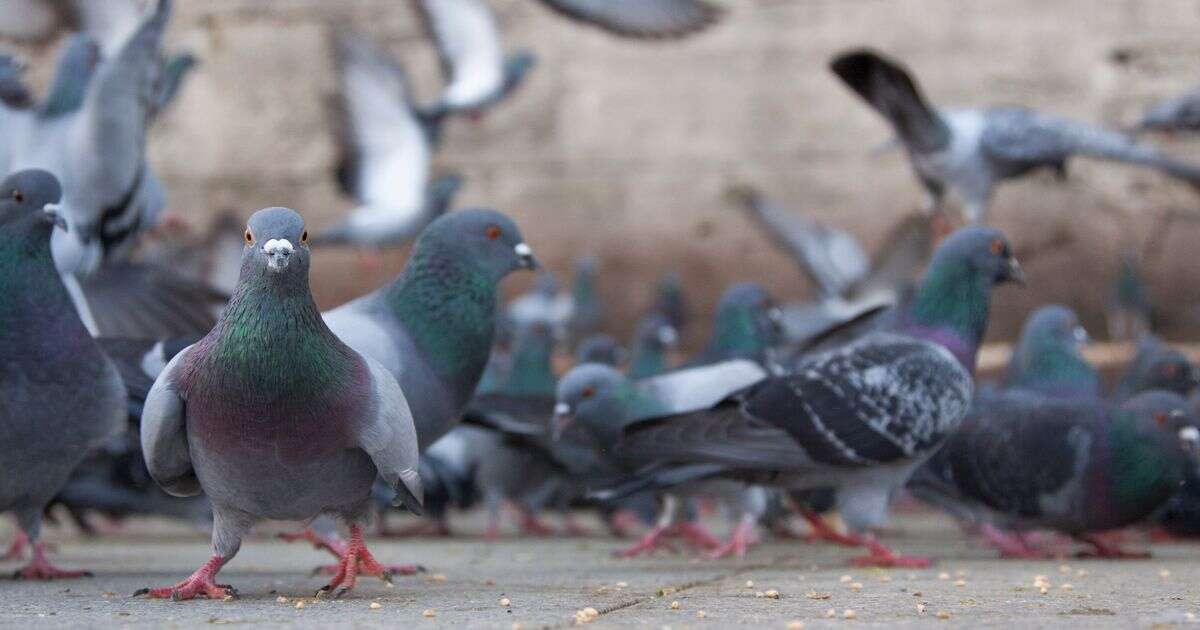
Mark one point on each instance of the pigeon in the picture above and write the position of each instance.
(62, 397)
(468, 43)
(433, 327)
(1048, 360)
(746, 326)
(847, 283)
(858, 419)
(968, 151)
(641, 19)
(653, 340)
(109, 22)
(1157, 366)
(386, 147)
(600, 348)
(266, 437)
(1180, 113)
(1130, 313)
(542, 305)
(14, 94)
(669, 301)
(587, 314)
(1076, 466)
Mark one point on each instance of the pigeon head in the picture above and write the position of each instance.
(594, 396)
(1049, 355)
(276, 245)
(669, 298)
(982, 252)
(747, 324)
(1166, 420)
(1169, 370)
(29, 205)
(486, 240)
(600, 348)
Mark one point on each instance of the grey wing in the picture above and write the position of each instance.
(895, 266)
(389, 437)
(110, 22)
(469, 46)
(1179, 113)
(694, 389)
(72, 75)
(726, 437)
(139, 300)
(14, 94)
(831, 258)
(888, 88)
(1019, 138)
(164, 435)
(641, 18)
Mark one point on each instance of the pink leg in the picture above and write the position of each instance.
(17, 549)
(571, 527)
(202, 583)
(821, 530)
(622, 522)
(531, 524)
(1107, 548)
(651, 541)
(695, 535)
(881, 556)
(739, 541)
(39, 568)
(355, 561)
(338, 547)
(1010, 545)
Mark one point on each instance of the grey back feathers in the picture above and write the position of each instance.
(641, 19)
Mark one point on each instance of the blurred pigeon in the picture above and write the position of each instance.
(858, 419)
(1130, 313)
(587, 313)
(968, 151)
(653, 340)
(1048, 358)
(1079, 467)
(14, 94)
(542, 305)
(600, 348)
(746, 326)
(386, 148)
(109, 22)
(1180, 113)
(670, 301)
(62, 396)
(1157, 365)
(479, 74)
(257, 426)
(641, 19)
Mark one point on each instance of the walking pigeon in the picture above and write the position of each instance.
(968, 151)
(274, 417)
(60, 396)
(1048, 358)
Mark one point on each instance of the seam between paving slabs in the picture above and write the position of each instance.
(679, 588)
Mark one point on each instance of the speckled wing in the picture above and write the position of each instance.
(643, 19)
(164, 435)
(389, 437)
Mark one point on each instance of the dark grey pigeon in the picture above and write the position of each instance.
(1077, 466)
(60, 396)
(1157, 365)
(641, 19)
(386, 148)
(1180, 113)
(858, 419)
(274, 417)
(968, 151)
(479, 75)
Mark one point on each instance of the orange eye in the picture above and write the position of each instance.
(492, 232)
(587, 392)
(1160, 417)
(18, 196)
(248, 236)
(304, 238)
(996, 246)
(1169, 370)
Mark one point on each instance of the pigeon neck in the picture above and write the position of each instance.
(583, 290)
(531, 374)
(648, 360)
(34, 303)
(1053, 369)
(951, 308)
(736, 334)
(1141, 473)
(447, 305)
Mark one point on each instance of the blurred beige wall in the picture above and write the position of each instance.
(623, 148)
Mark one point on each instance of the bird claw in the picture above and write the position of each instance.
(39, 568)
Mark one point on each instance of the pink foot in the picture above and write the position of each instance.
(695, 535)
(200, 584)
(573, 528)
(738, 543)
(532, 525)
(1106, 548)
(17, 549)
(881, 556)
(355, 561)
(333, 544)
(648, 544)
(622, 522)
(39, 568)
(822, 531)
(1010, 545)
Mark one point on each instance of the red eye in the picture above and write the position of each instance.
(1160, 417)
(492, 232)
(996, 246)
(248, 236)
(587, 392)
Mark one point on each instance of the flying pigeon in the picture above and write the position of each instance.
(968, 151)
(641, 19)
(1048, 359)
(858, 419)
(1076, 466)
(478, 73)
(386, 147)
(61, 396)
(271, 437)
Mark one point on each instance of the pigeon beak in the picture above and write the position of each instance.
(525, 259)
(1189, 438)
(668, 336)
(563, 417)
(1013, 272)
(279, 253)
(54, 215)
